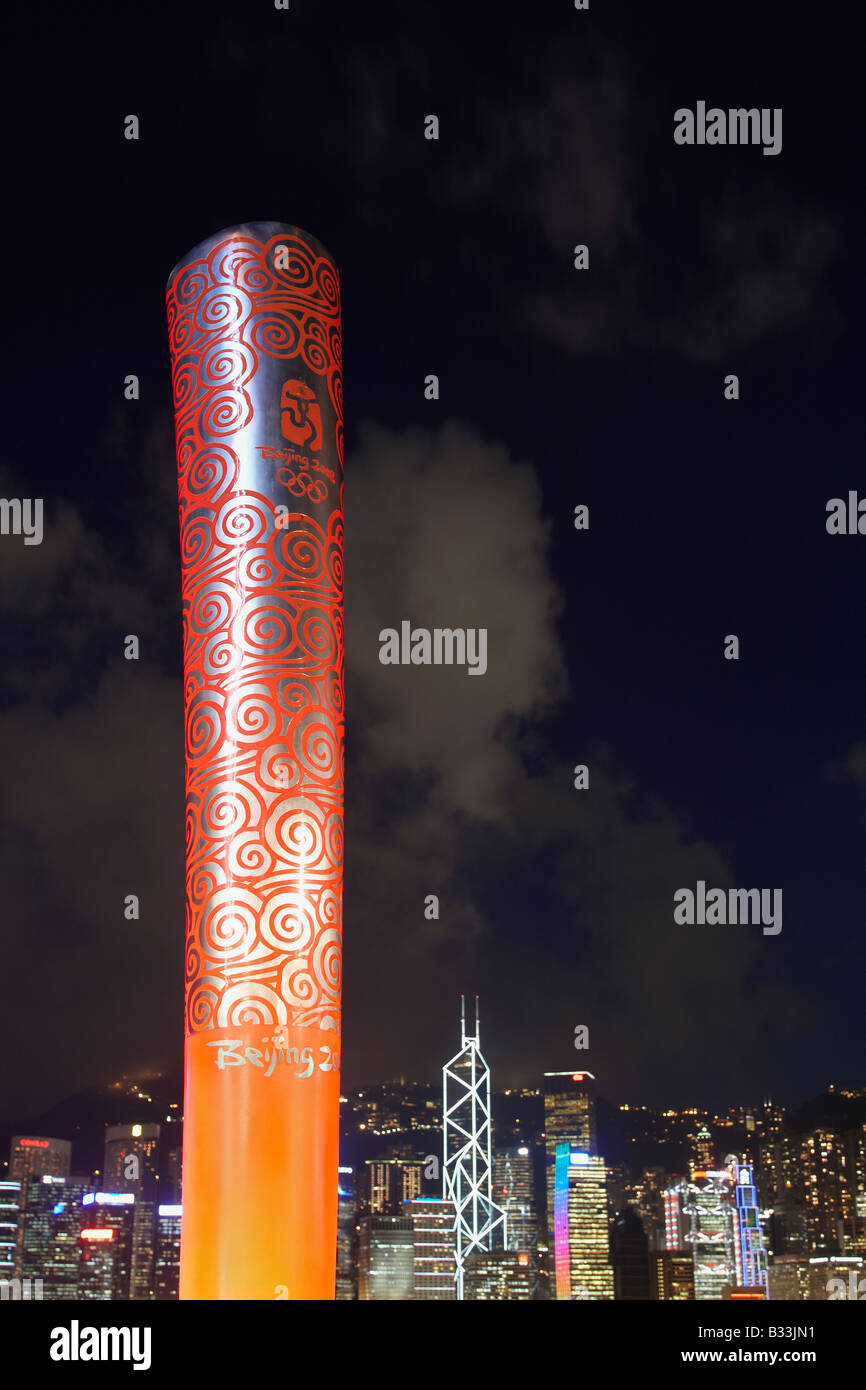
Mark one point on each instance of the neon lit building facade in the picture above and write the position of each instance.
(750, 1254)
(581, 1228)
(479, 1224)
(712, 1236)
(255, 339)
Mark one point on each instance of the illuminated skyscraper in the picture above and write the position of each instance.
(788, 1278)
(712, 1235)
(389, 1182)
(166, 1265)
(131, 1159)
(513, 1192)
(569, 1118)
(50, 1232)
(827, 1196)
(386, 1258)
(467, 1178)
(100, 1254)
(674, 1275)
(172, 1189)
(491, 1275)
(33, 1155)
(855, 1159)
(581, 1239)
(629, 1253)
(108, 1258)
(347, 1236)
(837, 1277)
(649, 1203)
(10, 1217)
(702, 1151)
(677, 1224)
(750, 1255)
(435, 1262)
(143, 1250)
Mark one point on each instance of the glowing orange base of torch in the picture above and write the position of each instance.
(265, 1101)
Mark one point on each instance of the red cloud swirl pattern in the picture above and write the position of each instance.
(262, 636)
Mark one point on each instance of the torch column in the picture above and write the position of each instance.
(255, 339)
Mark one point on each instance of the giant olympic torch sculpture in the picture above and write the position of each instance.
(255, 338)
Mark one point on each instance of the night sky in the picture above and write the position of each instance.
(558, 387)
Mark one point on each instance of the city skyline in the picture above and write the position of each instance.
(557, 389)
(751, 1209)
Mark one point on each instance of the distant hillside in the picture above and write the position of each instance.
(830, 1111)
(84, 1116)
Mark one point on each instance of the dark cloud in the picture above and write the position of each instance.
(445, 529)
(536, 167)
(853, 765)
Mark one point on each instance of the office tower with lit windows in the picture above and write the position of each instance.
(143, 1250)
(51, 1226)
(701, 1144)
(768, 1126)
(97, 1259)
(837, 1277)
(855, 1158)
(827, 1197)
(580, 1222)
(789, 1226)
(649, 1204)
(172, 1188)
(435, 1260)
(389, 1182)
(620, 1188)
(107, 1254)
(466, 1139)
(33, 1155)
(491, 1275)
(10, 1219)
(569, 1118)
(674, 1276)
(513, 1193)
(132, 1160)
(386, 1258)
(629, 1255)
(166, 1264)
(788, 1278)
(347, 1236)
